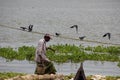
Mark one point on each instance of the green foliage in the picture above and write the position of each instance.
(64, 53)
(26, 52)
(6, 75)
(68, 77)
(115, 50)
(8, 53)
(112, 77)
(78, 53)
(23, 53)
(118, 64)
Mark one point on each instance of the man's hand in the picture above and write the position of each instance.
(43, 60)
(51, 49)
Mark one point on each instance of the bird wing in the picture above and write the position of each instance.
(109, 35)
(104, 35)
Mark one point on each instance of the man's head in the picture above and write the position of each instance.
(47, 37)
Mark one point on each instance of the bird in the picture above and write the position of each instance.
(75, 26)
(81, 38)
(57, 34)
(23, 28)
(30, 27)
(107, 34)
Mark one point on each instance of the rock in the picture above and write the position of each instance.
(98, 77)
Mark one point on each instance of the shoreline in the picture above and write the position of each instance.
(22, 76)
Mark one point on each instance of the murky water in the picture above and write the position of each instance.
(90, 67)
(93, 17)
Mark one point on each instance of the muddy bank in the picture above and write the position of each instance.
(57, 77)
(38, 77)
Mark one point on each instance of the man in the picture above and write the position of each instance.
(44, 65)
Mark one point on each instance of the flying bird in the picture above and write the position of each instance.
(30, 27)
(107, 34)
(81, 38)
(57, 34)
(23, 28)
(75, 26)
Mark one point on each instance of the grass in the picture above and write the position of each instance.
(65, 53)
(6, 75)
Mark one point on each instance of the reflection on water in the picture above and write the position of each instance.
(90, 67)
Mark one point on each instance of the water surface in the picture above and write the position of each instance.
(93, 17)
(90, 67)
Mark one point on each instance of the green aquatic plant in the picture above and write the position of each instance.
(26, 52)
(105, 49)
(5, 75)
(113, 50)
(118, 64)
(68, 77)
(112, 77)
(64, 53)
(8, 53)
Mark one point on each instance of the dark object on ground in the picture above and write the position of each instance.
(107, 34)
(75, 26)
(81, 38)
(80, 75)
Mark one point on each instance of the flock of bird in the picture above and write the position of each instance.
(30, 28)
(82, 37)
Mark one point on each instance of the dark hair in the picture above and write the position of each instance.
(47, 36)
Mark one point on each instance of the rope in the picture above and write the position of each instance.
(65, 37)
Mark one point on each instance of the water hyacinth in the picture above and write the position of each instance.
(6, 75)
(8, 53)
(65, 53)
(110, 49)
(26, 52)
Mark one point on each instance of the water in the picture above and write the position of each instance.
(93, 17)
(90, 67)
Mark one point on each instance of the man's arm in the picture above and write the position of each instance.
(50, 49)
(43, 58)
